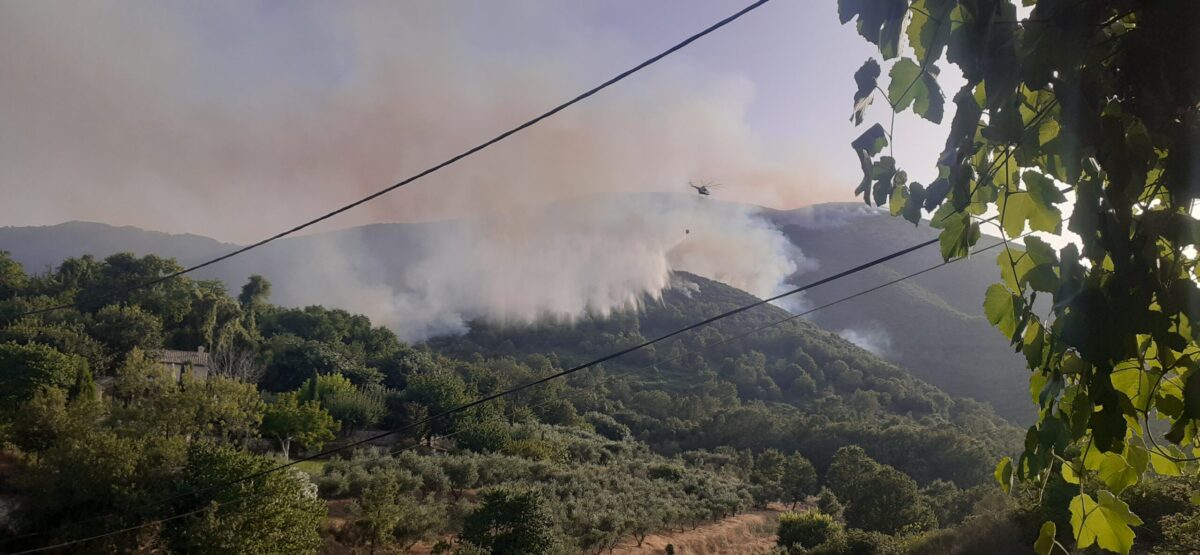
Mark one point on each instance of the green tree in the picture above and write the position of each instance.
(12, 276)
(877, 496)
(294, 360)
(798, 480)
(438, 391)
(282, 518)
(122, 328)
(69, 338)
(1089, 99)
(255, 292)
(827, 502)
(149, 400)
(377, 512)
(50, 416)
(807, 529)
(511, 522)
(487, 435)
(116, 278)
(358, 408)
(287, 419)
(25, 369)
(420, 520)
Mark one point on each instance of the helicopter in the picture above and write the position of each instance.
(703, 188)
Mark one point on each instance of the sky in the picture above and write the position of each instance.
(239, 119)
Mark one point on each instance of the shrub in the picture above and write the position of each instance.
(806, 529)
(858, 542)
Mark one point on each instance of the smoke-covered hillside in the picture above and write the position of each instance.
(607, 254)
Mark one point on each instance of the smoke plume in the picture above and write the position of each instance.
(871, 337)
(236, 120)
(558, 262)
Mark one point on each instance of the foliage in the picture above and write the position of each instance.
(25, 369)
(277, 513)
(12, 276)
(827, 503)
(1077, 98)
(510, 522)
(806, 529)
(287, 419)
(124, 328)
(878, 497)
(357, 408)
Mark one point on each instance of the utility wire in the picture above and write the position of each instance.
(450, 161)
(646, 367)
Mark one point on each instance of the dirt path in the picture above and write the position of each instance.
(745, 534)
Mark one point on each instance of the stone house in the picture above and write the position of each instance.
(197, 363)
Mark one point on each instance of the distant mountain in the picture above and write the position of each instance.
(931, 325)
(40, 248)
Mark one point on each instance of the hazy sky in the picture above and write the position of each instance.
(236, 119)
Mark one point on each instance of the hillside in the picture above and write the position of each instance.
(706, 426)
(933, 324)
(794, 386)
(952, 346)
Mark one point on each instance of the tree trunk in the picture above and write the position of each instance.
(286, 445)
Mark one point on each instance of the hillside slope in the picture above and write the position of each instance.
(791, 386)
(931, 325)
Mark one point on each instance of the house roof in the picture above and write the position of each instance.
(195, 358)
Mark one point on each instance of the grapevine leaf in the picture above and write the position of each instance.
(1045, 540)
(1163, 464)
(1116, 473)
(871, 141)
(1002, 309)
(1034, 205)
(1104, 523)
(1004, 474)
(910, 85)
(879, 21)
(958, 235)
(866, 78)
(925, 30)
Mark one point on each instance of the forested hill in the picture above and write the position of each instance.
(932, 324)
(951, 346)
(793, 386)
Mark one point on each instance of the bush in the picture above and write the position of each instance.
(858, 542)
(607, 426)
(828, 503)
(807, 529)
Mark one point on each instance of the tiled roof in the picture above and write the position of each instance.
(195, 358)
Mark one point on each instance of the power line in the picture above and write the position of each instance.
(450, 161)
(543, 380)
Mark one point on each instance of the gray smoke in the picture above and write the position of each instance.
(871, 337)
(557, 262)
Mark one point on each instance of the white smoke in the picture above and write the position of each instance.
(871, 337)
(558, 262)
